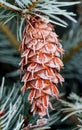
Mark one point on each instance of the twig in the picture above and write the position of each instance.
(10, 35)
(72, 52)
(33, 4)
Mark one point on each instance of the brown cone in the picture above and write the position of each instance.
(41, 52)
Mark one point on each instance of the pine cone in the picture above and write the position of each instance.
(41, 52)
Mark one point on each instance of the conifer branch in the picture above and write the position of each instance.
(9, 6)
(73, 110)
(42, 8)
(11, 108)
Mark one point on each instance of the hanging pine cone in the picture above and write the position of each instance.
(41, 52)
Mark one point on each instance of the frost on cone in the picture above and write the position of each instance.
(41, 52)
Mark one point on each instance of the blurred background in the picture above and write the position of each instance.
(72, 72)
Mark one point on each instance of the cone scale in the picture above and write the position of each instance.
(41, 52)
